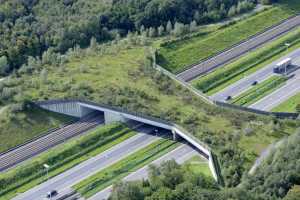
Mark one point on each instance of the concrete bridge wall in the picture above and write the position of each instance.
(81, 108)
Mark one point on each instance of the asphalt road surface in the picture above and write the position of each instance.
(244, 84)
(180, 155)
(240, 49)
(291, 88)
(63, 182)
(31, 149)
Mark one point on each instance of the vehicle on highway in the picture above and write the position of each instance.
(254, 83)
(282, 66)
(51, 194)
(228, 98)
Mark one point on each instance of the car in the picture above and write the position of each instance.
(254, 83)
(228, 98)
(51, 194)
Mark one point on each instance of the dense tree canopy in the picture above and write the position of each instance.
(29, 27)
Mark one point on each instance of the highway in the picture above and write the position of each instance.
(63, 182)
(245, 83)
(291, 88)
(180, 155)
(37, 146)
(238, 50)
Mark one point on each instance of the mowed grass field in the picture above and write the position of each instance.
(289, 105)
(178, 55)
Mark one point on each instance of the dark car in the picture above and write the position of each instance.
(254, 83)
(228, 98)
(52, 193)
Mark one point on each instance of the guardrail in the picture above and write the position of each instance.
(282, 115)
(183, 83)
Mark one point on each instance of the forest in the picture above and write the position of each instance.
(30, 27)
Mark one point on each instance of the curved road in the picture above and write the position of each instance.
(240, 49)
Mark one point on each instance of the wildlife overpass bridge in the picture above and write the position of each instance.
(79, 108)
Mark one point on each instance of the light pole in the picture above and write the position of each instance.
(47, 170)
(287, 48)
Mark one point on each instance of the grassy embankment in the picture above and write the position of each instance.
(198, 165)
(175, 56)
(19, 128)
(122, 168)
(61, 158)
(289, 105)
(259, 91)
(227, 75)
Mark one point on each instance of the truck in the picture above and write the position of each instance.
(282, 66)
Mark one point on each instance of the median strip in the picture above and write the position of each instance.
(259, 91)
(122, 168)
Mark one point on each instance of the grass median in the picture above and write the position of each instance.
(259, 91)
(61, 158)
(124, 167)
(225, 76)
(289, 105)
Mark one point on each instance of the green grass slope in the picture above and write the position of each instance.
(176, 56)
(16, 128)
(289, 105)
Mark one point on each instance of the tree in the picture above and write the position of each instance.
(93, 43)
(4, 67)
(126, 191)
(232, 11)
(169, 27)
(178, 29)
(152, 32)
(197, 16)
(193, 26)
(44, 76)
(161, 30)
(142, 29)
